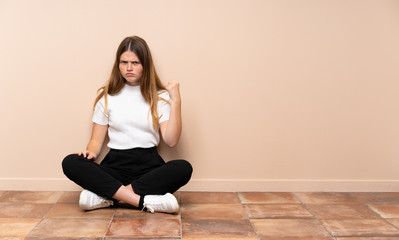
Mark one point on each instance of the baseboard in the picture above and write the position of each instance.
(293, 185)
(37, 184)
(223, 185)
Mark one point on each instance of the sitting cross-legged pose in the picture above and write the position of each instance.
(134, 109)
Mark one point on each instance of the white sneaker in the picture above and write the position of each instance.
(89, 201)
(161, 203)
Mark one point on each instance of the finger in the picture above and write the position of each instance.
(172, 85)
(172, 82)
(93, 156)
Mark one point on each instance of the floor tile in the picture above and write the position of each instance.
(132, 213)
(74, 211)
(213, 211)
(139, 238)
(289, 228)
(341, 211)
(259, 198)
(368, 238)
(220, 238)
(70, 197)
(205, 215)
(217, 228)
(277, 211)
(209, 198)
(325, 198)
(386, 210)
(70, 227)
(377, 197)
(300, 238)
(23, 210)
(17, 227)
(360, 228)
(31, 197)
(144, 227)
(63, 238)
(13, 238)
(394, 222)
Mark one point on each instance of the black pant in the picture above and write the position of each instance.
(143, 168)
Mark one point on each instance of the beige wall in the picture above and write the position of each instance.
(278, 95)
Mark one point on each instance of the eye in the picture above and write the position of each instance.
(135, 63)
(123, 62)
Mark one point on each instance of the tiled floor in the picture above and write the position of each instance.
(206, 215)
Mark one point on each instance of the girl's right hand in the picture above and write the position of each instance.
(87, 154)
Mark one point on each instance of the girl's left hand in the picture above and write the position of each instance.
(173, 90)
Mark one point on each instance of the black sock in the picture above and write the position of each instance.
(141, 202)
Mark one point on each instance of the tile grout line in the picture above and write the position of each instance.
(6, 192)
(109, 224)
(314, 217)
(44, 215)
(253, 227)
(389, 223)
(181, 218)
(365, 204)
(37, 224)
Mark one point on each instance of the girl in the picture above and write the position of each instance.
(134, 108)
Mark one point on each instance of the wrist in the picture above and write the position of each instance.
(175, 101)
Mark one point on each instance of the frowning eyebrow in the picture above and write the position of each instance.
(126, 61)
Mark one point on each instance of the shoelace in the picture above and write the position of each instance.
(148, 207)
(100, 200)
(152, 206)
(95, 199)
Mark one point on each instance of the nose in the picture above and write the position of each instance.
(130, 66)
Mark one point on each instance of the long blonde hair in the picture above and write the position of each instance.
(150, 84)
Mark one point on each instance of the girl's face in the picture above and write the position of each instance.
(131, 68)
